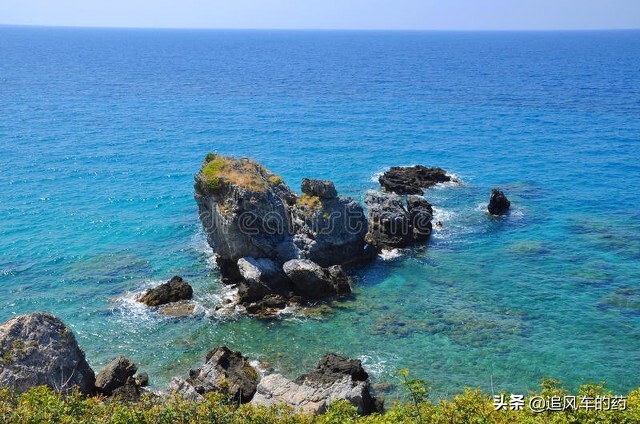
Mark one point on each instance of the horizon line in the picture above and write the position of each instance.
(179, 28)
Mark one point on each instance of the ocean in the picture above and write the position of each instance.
(102, 130)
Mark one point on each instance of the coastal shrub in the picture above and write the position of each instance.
(219, 171)
(43, 405)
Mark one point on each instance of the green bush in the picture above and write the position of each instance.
(43, 405)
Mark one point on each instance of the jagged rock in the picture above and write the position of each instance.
(332, 367)
(420, 215)
(389, 222)
(391, 225)
(412, 179)
(319, 188)
(224, 371)
(182, 388)
(247, 211)
(38, 349)
(312, 281)
(172, 291)
(115, 374)
(335, 378)
(498, 203)
(268, 306)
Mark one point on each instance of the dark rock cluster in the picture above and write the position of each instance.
(412, 179)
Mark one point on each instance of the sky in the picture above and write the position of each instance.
(328, 14)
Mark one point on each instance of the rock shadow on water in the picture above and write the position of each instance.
(626, 300)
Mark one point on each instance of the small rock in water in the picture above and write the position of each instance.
(498, 203)
(412, 179)
(172, 291)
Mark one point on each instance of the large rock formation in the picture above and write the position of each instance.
(38, 349)
(255, 224)
(498, 203)
(225, 371)
(247, 211)
(173, 290)
(335, 378)
(412, 179)
(393, 225)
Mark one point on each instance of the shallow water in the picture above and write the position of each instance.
(101, 132)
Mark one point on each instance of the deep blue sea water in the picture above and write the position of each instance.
(101, 132)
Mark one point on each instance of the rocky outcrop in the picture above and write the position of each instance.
(118, 379)
(255, 224)
(498, 203)
(319, 188)
(225, 371)
(311, 281)
(393, 225)
(412, 179)
(173, 290)
(38, 349)
(335, 378)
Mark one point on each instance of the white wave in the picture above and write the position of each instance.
(200, 245)
(376, 176)
(375, 365)
(389, 254)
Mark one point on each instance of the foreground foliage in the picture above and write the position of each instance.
(43, 405)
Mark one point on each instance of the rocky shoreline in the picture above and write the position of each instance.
(277, 248)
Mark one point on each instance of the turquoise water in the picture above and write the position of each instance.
(101, 132)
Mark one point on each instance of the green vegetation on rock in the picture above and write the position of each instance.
(220, 171)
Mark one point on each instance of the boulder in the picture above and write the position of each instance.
(412, 179)
(498, 203)
(117, 373)
(319, 188)
(225, 371)
(38, 349)
(335, 378)
(261, 270)
(172, 291)
(392, 225)
(311, 281)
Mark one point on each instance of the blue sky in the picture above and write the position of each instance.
(328, 14)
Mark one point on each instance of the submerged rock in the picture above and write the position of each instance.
(412, 179)
(38, 349)
(335, 378)
(498, 203)
(391, 225)
(225, 371)
(311, 281)
(172, 291)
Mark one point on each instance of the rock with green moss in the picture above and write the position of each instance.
(38, 349)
